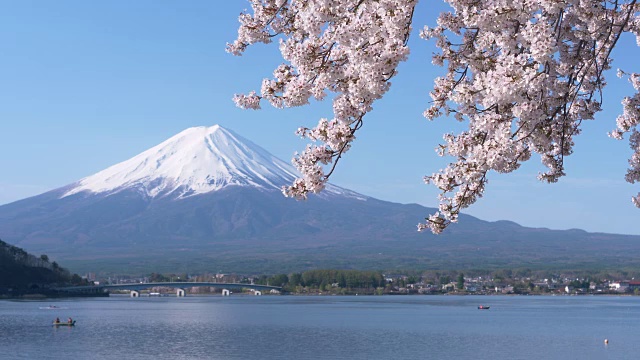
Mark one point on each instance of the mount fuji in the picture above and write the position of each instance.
(207, 199)
(196, 161)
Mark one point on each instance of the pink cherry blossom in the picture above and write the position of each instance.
(523, 74)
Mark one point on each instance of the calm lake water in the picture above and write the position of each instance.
(319, 327)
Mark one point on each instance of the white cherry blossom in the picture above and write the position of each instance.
(523, 74)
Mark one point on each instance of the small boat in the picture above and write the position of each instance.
(51, 307)
(73, 323)
(482, 307)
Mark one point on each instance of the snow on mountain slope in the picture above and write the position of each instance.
(198, 160)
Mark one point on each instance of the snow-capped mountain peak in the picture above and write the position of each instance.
(197, 160)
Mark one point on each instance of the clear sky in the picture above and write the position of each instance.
(85, 85)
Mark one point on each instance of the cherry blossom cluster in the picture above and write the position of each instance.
(524, 74)
(628, 122)
(348, 47)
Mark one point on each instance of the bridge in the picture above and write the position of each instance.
(179, 286)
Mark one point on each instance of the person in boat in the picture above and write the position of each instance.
(69, 321)
(57, 321)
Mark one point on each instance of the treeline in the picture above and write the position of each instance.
(157, 277)
(512, 276)
(20, 271)
(326, 280)
(344, 282)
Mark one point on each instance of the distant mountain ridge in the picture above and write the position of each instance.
(209, 200)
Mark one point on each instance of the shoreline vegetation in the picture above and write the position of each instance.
(23, 275)
(355, 282)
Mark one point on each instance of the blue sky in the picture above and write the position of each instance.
(85, 85)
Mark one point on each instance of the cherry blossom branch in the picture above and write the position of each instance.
(532, 67)
(523, 75)
(351, 48)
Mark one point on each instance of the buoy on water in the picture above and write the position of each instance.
(606, 341)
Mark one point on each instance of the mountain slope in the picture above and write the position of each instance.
(209, 200)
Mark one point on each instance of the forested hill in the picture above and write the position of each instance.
(21, 271)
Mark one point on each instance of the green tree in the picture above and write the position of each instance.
(77, 280)
(460, 281)
(261, 280)
(295, 279)
(155, 277)
(279, 280)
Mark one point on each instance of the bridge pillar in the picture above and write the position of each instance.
(257, 293)
(135, 293)
(226, 292)
(180, 292)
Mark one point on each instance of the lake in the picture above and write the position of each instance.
(324, 327)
